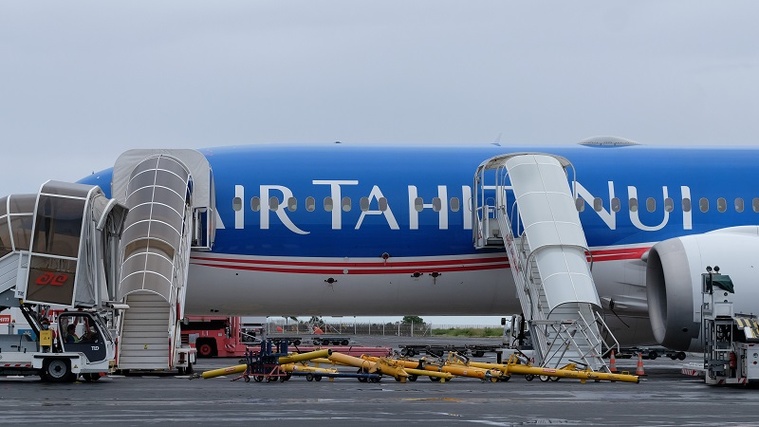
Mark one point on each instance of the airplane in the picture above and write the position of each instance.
(360, 230)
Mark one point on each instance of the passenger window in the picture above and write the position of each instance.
(436, 204)
(598, 204)
(346, 204)
(633, 205)
(273, 203)
(418, 204)
(616, 206)
(687, 205)
(237, 204)
(455, 204)
(651, 204)
(292, 204)
(255, 204)
(310, 204)
(580, 204)
(328, 204)
(669, 204)
(721, 205)
(755, 204)
(382, 204)
(364, 204)
(739, 204)
(703, 204)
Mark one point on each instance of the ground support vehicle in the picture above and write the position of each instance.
(731, 340)
(218, 336)
(651, 353)
(57, 252)
(331, 340)
(411, 350)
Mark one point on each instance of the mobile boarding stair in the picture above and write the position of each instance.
(170, 194)
(523, 203)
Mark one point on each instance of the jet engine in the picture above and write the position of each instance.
(673, 281)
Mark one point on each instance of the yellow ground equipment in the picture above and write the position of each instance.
(515, 366)
(459, 370)
(283, 363)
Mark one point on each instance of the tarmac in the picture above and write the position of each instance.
(664, 397)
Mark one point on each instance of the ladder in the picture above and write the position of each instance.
(169, 193)
(545, 243)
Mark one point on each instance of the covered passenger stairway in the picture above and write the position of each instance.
(523, 203)
(170, 195)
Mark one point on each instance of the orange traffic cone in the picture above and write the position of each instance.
(612, 363)
(639, 370)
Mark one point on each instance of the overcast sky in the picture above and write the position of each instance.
(83, 81)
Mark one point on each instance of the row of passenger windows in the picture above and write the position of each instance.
(346, 204)
(669, 204)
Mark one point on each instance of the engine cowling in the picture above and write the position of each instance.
(673, 281)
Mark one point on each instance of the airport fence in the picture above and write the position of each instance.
(377, 329)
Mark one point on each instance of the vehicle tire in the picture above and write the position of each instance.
(478, 353)
(505, 378)
(544, 378)
(58, 371)
(296, 342)
(344, 342)
(435, 379)
(375, 379)
(92, 377)
(529, 377)
(205, 350)
(653, 355)
(317, 378)
(554, 379)
(681, 355)
(258, 378)
(309, 377)
(412, 378)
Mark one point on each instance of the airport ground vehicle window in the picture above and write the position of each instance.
(310, 204)
(5, 238)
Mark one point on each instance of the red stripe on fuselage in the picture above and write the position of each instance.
(390, 267)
